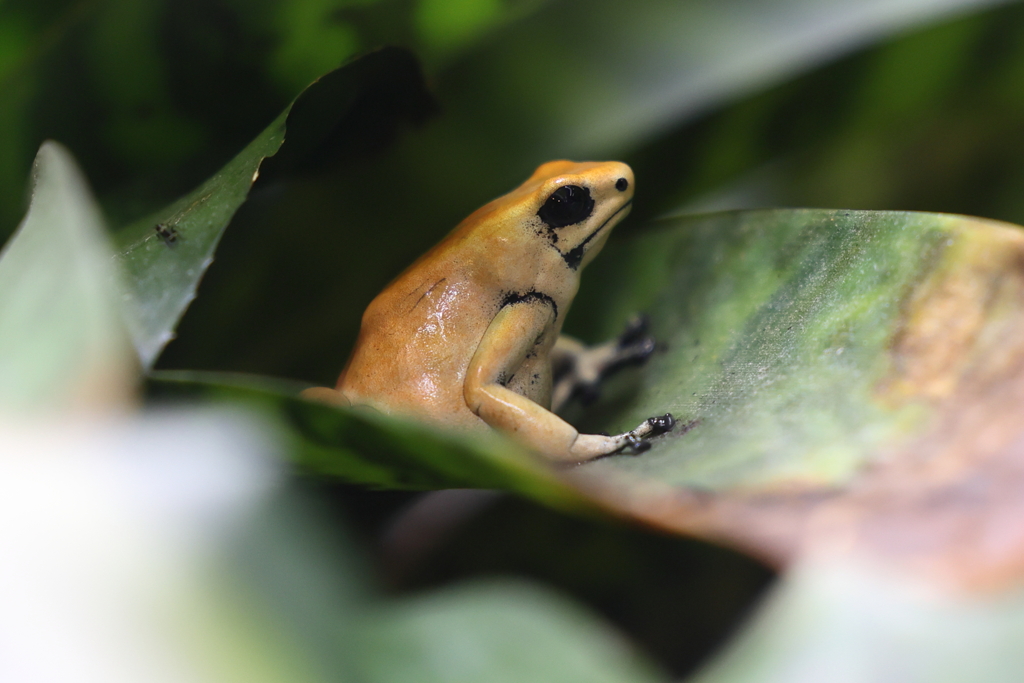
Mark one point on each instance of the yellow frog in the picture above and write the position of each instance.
(468, 335)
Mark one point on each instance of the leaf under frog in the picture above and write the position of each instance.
(363, 446)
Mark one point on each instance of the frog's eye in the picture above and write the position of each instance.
(567, 205)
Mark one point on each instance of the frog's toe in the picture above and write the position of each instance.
(637, 444)
(636, 329)
(661, 424)
(638, 352)
(634, 346)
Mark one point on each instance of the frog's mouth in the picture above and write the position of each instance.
(574, 256)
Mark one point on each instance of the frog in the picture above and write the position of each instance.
(469, 336)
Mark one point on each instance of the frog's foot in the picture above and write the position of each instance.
(326, 395)
(590, 446)
(579, 369)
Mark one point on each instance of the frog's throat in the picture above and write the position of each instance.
(574, 256)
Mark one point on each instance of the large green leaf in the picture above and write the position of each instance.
(167, 253)
(840, 373)
(62, 339)
(777, 328)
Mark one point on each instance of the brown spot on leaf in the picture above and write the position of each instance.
(954, 319)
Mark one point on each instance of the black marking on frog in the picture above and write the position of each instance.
(568, 205)
(426, 293)
(574, 256)
(513, 298)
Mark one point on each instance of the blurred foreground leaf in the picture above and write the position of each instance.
(498, 632)
(171, 547)
(114, 535)
(625, 74)
(62, 340)
(167, 253)
(837, 622)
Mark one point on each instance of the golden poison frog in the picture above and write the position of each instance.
(468, 335)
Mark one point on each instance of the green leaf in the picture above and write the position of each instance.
(776, 328)
(167, 253)
(839, 372)
(62, 340)
(366, 447)
(496, 632)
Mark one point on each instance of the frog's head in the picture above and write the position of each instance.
(576, 205)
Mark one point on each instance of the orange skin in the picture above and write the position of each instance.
(464, 337)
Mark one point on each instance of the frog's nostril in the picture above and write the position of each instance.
(621, 184)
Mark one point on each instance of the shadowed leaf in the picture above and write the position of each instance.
(167, 253)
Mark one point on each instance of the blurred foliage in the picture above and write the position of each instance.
(63, 342)
(649, 584)
(900, 105)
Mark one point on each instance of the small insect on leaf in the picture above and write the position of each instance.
(168, 235)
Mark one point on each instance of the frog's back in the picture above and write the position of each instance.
(418, 337)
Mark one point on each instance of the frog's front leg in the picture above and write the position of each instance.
(512, 334)
(579, 369)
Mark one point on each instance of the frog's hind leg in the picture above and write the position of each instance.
(579, 369)
(510, 336)
(326, 395)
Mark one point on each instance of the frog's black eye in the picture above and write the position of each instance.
(567, 205)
